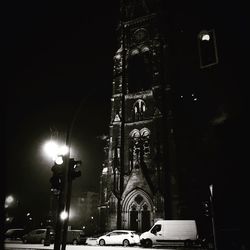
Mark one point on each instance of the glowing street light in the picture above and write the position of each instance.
(50, 149)
(205, 37)
(59, 160)
(8, 201)
(64, 215)
(207, 48)
(53, 149)
(63, 150)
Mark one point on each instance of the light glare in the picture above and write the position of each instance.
(59, 160)
(9, 199)
(64, 215)
(205, 37)
(51, 149)
(63, 150)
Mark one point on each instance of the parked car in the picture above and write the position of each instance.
(119, 237)
(37, 236)
(14, 234)
(76, 237)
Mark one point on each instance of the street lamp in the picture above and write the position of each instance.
(9, 199)
(69, 173)
(207, 48)
(204, 37)
(64, 215)
(65, 169)
(54, 151)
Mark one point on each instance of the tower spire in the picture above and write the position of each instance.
(138, 86)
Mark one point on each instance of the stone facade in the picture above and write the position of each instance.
(136, 147)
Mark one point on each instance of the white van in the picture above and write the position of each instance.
(167, 232)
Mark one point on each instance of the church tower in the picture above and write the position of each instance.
(135, 190)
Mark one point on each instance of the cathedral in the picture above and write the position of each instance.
(137, 180)
(177, 120)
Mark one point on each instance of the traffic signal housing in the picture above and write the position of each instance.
(206, 211)
(74, 168)
(56, 179)
(207, 48)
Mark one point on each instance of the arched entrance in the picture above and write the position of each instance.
(137, 210)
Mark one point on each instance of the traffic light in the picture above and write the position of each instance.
(56, 179)
(207, 48)
(73, 168)
(206, 208)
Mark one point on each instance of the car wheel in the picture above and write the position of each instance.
(42, 241)
(125, 243)
(148, 243)
(74, 242)
(102, 242)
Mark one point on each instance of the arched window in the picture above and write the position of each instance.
(139, 146)
(139, 70)
(135, 133)
(138, 110)
(145, 134)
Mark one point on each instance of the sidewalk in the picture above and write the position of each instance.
(19, 245)
(27, 246)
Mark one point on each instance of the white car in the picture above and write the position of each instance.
(119, 237)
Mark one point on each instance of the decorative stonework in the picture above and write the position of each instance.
(143, 168)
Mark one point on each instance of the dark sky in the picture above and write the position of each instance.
(58, 58)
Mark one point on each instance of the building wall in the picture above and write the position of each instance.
(139, 78)
(84, 213)
(208, 109)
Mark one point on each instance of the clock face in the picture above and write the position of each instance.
(140, 34)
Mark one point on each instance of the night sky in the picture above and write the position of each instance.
(58, 61)
(58, 58)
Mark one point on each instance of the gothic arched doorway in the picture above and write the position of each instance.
(137, 210)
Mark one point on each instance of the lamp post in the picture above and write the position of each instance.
(207, 48)
(56, 152)
(65, 169)
(65, 192)
(9, 200)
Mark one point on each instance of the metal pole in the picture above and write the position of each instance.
(64, 196)
(67, 188)
(212, 215)
(68, 179)
(67, 207)
(58, 231)
(49, 221)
